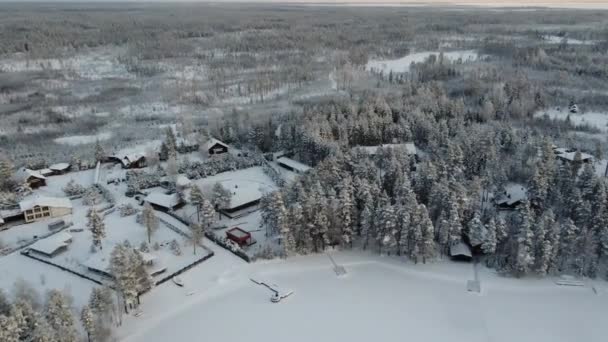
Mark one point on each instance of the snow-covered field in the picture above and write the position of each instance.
(380, 299)
(403, 64)
(598, 120)
(83, 139)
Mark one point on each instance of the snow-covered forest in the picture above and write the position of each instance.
(177, 146)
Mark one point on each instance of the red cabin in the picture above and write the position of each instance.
(241, 237)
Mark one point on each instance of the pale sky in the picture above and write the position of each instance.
(603, 4)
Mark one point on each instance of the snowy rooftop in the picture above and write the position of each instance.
(163, 200)
(409, 148)
(182, 181)
(513, 194)
(569, 154)
(238, 232)
(59, 166)
(212, 142)
(45, 172)
(24, 174)
(460, 248)
(52, 243)
(44, 201)
(294, 164)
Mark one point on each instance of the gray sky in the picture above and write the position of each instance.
(488, 3)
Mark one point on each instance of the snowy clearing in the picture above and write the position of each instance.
(558, 40)
(394, 300)
(403, 64)
(598, 120)
(83, 139)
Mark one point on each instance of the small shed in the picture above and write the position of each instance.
(460, 251)
(214, 146)
(52, 245)
(241, 237)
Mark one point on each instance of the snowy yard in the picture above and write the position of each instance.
(379, 299)
(403, 64)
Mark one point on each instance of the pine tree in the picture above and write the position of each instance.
(388, 229)
(524, 257)
(26, 318)
(427, 243)
(346, 210)
(196, 198)
(149, 220)
(545, 242)
(477, 230)
(86, 317)
(196, 234)
(488, 245)
(221, 196)
(171, 143)
(97, 227)
(5, 304)
(100, 154)
(568, 236)
(59, 317)
(207, 216)
(365, 222)
(9, 330)
(142, 277)
(44, 333)
(6, 172)
(123, 272)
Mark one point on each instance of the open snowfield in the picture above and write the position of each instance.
(403, 64)
(379, 299)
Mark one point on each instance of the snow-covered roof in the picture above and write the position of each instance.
(60, 166)
(52, 243)
(1, 220)
(44, 201)
(22, 174)
(410, 148)
(99, 261)
(133, 157)
(294, 164)
(147, 257)
(238, 232)
(189, 141)
(569, 154)
(182, 181)
(46, 172)
(460, 248)
(243, 192)
(163, 200)
(212, 141)
(513, 193)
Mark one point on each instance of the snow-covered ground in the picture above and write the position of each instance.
(558, 40)
(598, 120)
(380, 298)
(403, 64)
(83, 139)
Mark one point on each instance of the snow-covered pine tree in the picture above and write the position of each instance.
(207, 216)
(196, 235)
(59, 317)
(545, 242)
(43, 332)
(97, 227)
(477, 230)
(9, 329)
(149, 220)
(88, 322)
(100, 153)
(143, 279)
(387, 231)
(26, 318)
(196, 199)
(427, 242)
(346, 210)
(221, 196)
(123, 272)
(170, 142)
(488, 246)
(5, 304)
(6, 173)
(524, 248)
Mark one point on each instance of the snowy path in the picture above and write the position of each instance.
(381, 299)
